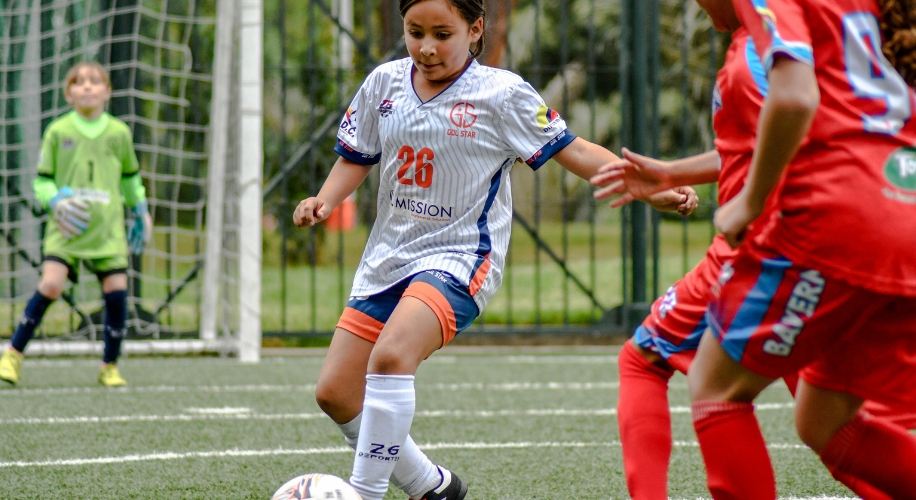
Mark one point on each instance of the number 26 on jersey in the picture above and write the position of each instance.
(416, 168)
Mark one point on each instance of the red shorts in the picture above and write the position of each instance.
(776, 318)
(678, 319)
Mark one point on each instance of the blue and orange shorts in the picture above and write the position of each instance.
(446, 296)
(678, 319)
(776, 317)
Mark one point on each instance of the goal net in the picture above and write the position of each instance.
(163, 57)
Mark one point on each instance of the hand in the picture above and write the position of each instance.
(734, 218)
(139, 228)
(310, 211)
(633, 177)
(691, 203)
(682, 199)
(71, 214)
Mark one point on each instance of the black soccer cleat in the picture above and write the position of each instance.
(451, 487)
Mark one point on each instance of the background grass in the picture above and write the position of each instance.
(515, 424)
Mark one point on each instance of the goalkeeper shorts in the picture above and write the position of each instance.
(102, 267)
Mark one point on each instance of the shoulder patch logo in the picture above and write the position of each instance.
(67, 143)
(386, 108)
(347, 125)
(547, 117)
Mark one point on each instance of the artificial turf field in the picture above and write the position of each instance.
(517, 423)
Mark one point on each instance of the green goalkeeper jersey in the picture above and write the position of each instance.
(96, 160)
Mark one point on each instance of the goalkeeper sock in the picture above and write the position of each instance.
(645, 424)
(874, 451)
(387, 414)
(413, 474)
(115, 321)
(31, 318)
(737, 463)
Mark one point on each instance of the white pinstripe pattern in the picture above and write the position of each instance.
(436, 227)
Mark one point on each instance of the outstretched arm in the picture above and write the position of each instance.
(585, 159)
(637, 177)
(344, 178)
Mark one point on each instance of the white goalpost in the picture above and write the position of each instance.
(239, 318)
(187, 78)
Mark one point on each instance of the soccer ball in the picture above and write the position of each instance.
(318, 486)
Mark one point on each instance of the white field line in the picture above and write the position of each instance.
(218, 411)
(319, 358)
(508, 386)
(336, 449)
(225, 415)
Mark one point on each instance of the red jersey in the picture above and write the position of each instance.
(741, 85)
(848, 201)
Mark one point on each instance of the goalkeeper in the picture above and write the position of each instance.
(87, 173)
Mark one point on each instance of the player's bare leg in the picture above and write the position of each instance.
(410, 335)
(872, 456)
(820, 413)
(340, 392)
(722, 391)
(341, 385)
(53, 278)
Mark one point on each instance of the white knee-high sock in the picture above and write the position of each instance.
(413, 474)
(387, 414)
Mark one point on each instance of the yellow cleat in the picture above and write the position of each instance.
(109, 376)
(10, 363)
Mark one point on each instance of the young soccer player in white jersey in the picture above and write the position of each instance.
(87, 172)
(446, 131)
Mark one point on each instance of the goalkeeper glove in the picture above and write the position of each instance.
(71, 214)
(139, 228)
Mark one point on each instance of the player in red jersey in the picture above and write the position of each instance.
(668, 338)
(829, 287)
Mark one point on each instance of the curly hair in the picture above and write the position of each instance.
(898, 30)
(470, 10)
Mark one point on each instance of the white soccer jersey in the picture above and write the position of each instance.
(444, 198)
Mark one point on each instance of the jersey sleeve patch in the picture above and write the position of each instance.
(551, 148)
(530, 128)
(347, 152)
(358, 134)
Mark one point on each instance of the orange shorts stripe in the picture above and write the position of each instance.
(479, 277)
(360, 324)
(432, 297)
